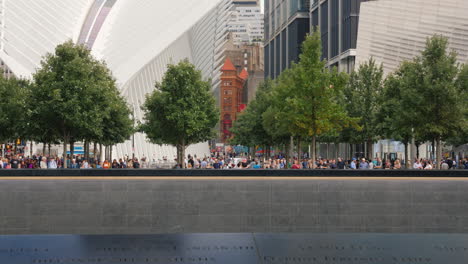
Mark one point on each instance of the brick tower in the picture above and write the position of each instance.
(232, 85)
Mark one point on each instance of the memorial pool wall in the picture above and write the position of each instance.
(150, 202)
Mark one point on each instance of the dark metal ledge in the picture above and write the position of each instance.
(230, 173)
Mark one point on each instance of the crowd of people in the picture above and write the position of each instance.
(219, 162)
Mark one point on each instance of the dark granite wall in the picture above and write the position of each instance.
(238, 205)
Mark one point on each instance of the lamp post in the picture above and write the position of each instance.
(133, 135)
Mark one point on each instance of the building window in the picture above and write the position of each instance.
(227, 92)
(228, 100)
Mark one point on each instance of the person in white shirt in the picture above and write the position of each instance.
(417, 165)
(85, 164)
(52, 164)
(428, 166)
(43, 163)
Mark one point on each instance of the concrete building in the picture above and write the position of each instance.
(392, 31)
(249, 57)
(246, 24)
(137, 39)
(286, 26)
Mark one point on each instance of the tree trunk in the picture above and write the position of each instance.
(86, 149)
(299, 149)
(314, 148)
(286, 152)
(328, 150)
(65, 142)
(351, 155)
(95, 150)
(49, 149)
(433, 149)
(100, 152)
(110, 152)
(251, 152)
(182, 154)
(417, 150)
(337, 150)
(179, 163)
(291, 147)
(31, 149)
(407, 163)
(44, 149)
(72, 149)
(370, 153)
(439, 152)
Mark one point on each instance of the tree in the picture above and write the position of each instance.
(394, 121)
(181, 111)
(460, 137)
(438, 103)
(70, 87)
(362, 93)
(308, 95)
(14, 94)
(248, 129)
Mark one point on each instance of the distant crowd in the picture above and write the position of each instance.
(219, 162)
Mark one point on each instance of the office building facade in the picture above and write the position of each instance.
(286, 26)
(338, 22)
(246, 24)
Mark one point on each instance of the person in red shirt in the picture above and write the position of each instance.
(106, 164)
(296, 165)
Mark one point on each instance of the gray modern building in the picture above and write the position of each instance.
(338, 22)
(286, 25)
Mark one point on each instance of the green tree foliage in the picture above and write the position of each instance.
(307, 97)
(362, 94)
(14, 101)
(430, 90)
(181, 111)
(73, 94)
(117, 125)
(460, 137)
(394, 119)
(248, 129)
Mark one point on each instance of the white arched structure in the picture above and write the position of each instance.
(137, 39)
(30, 29)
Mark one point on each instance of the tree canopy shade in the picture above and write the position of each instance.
(308, 96)
(362, 96)
(74, 94)
(426, 97)
(182, 110)
(14, 99)
(248, 129)
(395, 120)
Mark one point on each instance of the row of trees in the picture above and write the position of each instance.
(424, 99)
(71, 98)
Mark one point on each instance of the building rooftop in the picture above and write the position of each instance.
(228, 66)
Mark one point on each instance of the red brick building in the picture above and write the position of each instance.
(232, 86)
